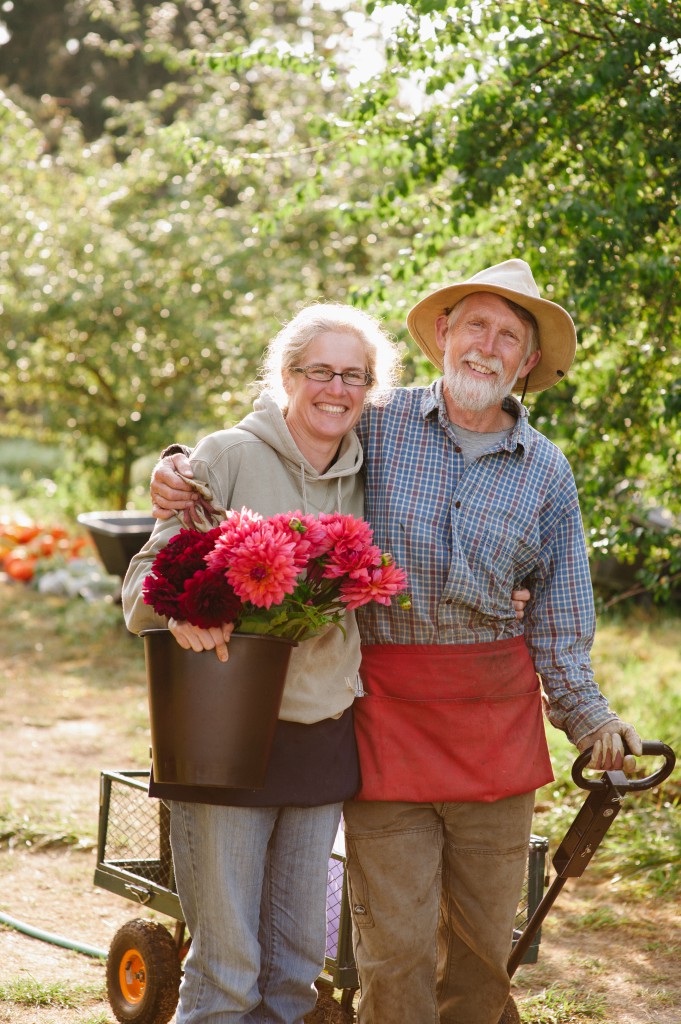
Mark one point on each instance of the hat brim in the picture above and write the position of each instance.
(557, 335)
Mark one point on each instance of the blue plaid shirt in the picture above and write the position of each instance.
(468, 535)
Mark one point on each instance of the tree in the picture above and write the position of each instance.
(140, 292)
(550, 130)
(253, 178)
(93, 54)
(110, 320)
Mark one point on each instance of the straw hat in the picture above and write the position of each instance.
(513, 280)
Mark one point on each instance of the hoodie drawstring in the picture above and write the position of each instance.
(303, 490)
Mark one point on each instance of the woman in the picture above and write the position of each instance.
(251, 865)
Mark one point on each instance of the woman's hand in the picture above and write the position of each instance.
(193, 638)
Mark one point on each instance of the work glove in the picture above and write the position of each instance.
(608, 744)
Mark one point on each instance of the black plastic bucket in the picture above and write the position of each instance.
(213, 722)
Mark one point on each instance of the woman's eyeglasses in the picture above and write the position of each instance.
(322, 374)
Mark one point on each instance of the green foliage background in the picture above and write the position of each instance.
(177, 178)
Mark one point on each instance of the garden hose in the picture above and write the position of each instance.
(55, 940)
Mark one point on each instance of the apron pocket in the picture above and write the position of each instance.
(451, 750)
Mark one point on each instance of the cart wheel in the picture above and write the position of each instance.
(510, 1014)
(143, 973)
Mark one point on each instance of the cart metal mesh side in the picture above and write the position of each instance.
(339, 961)
(133, 845)
(134, 861)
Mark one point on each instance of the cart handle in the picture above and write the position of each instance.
(650, 747)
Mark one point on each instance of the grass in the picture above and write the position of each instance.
(48, 481)
(598, 919)
(637, 662)
(27, 832)
(23, 461)
(26, 993)
(30, 992)
(556, 1005)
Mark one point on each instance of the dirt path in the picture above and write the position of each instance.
(628, 970)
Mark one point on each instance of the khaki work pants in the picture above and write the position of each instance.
(434, 890)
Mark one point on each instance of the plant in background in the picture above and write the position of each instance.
(289, 575)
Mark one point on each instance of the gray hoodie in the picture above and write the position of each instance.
(257, 464)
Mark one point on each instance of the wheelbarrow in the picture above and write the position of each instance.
(582, 839)
(144, 959)
(117, 536)
(134, 861)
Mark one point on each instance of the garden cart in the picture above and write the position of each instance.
(134, 861)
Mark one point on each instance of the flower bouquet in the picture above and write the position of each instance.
(289, 575)
(280, 580)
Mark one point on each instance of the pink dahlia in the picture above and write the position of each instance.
(352, 549)
(346, 531)
(234, 528)
(307, 534)
(351, 562)
(379, 584)
(262, 568)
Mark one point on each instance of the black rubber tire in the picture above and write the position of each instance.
(143, 973)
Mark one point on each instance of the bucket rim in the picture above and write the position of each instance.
(155, 631)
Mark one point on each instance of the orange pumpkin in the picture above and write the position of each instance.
(20, 530)
(20, 565)
(6, 546)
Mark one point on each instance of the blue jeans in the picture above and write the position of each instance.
(252, 886)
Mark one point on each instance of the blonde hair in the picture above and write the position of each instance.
(287, 349)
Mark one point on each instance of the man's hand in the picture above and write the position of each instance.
(520, 599)
(608, 747)
(193, 638)
(168, 490)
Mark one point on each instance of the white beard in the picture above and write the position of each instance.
(476, 394)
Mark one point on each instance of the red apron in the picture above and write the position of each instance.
(450, 723)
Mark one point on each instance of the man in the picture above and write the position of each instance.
(472, 502)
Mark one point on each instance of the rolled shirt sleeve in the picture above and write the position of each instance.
(559, 631)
